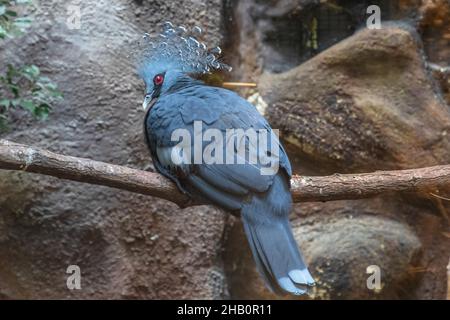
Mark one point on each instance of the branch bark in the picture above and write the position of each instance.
(20, 157)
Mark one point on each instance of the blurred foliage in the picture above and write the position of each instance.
(10, 24)
(24, 86)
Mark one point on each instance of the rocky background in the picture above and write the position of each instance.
(347, 99)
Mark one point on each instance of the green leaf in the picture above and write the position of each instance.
(51, 86)
(41, 112)
(32, 70)
(2, 9)
(11, 13)
(28, 105)
(15, 90)
(22, 23)
(3, 33)
(5, 18)
(5, 103)
(10, 73)
(15, 102)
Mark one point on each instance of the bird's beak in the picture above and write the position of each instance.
(147, 100)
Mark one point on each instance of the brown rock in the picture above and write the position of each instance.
(343, 251)
(365, 103)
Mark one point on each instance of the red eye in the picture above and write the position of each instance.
(158, 80)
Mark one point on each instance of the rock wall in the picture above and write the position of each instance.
(127, 246)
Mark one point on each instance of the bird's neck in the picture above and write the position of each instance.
(184, 82)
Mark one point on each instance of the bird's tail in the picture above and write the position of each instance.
(274, 248)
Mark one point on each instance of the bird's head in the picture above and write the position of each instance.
(160, 82)
(167, 60)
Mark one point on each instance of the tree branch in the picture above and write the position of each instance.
(327, 188)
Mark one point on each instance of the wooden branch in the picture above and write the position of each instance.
(25, 158)
(327, 188)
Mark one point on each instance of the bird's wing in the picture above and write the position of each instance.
(217, 109)
(222, 109)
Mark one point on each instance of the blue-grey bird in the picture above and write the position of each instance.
(175, 100)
